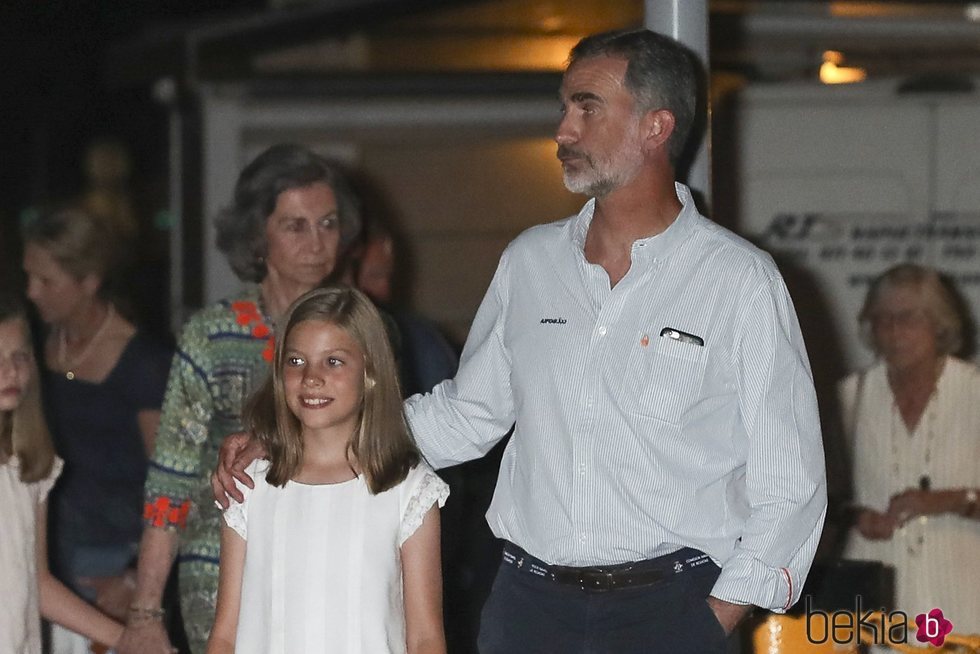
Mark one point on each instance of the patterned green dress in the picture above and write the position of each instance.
(222, 355)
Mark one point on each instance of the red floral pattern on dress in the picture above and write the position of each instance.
(247, 313)
(161, 513)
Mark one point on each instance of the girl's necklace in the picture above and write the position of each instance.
(69, 367)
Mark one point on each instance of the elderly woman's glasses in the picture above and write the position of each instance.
(899, 319)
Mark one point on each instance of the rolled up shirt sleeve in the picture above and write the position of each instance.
(785, 475)
(462, 418)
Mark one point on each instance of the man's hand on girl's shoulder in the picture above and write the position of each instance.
(236, 453)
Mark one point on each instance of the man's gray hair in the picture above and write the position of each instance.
(660, 73)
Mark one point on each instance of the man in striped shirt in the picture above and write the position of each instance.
(665, 471)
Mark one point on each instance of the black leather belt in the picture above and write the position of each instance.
(605, 578)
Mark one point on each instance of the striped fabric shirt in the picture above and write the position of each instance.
(675, 409)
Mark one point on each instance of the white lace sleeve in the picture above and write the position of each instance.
(236, 515)
(428, 490)
(43, 487)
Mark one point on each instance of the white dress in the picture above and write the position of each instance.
(322, 563)
(20, 621)
(936, 558)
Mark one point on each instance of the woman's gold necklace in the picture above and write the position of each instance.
(69, 367)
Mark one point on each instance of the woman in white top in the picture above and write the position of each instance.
(28, 469)
(336, 548)
(913, 421)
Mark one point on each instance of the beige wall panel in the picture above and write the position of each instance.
(466, 185)
(458, 201)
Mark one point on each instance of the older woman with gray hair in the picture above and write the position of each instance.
(913, 422)
(292, 218)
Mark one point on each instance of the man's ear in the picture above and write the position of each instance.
(658, 125)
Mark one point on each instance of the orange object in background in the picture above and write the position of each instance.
(787, 634)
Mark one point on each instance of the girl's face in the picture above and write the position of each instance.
(53, 290)
(323, 377)
(15, 363)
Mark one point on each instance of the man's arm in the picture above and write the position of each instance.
(462, 418)
(784, 464)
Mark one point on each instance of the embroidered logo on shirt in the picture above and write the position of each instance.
(553, 321)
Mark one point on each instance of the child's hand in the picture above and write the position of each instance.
(148, 637)
(113, 594)
(236, 453)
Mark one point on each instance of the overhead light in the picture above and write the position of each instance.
(832, 70)
(972, 12)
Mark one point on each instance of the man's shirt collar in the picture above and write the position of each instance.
(652, 248)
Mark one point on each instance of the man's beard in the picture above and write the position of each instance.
(588, 182)
(596, 179)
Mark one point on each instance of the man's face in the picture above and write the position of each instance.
(376, 269)
(599, 141)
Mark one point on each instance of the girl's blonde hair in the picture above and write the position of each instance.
(78, 241)
(381, 443)
(23, 431)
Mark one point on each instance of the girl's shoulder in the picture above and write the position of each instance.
(418, 493)
(39, 489)
(418, 475)
(236, 515)
(258, 469)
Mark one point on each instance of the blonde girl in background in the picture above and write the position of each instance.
(336, 548)
(28, 469)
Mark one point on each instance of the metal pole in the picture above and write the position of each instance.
(687, 21)
(165, 92)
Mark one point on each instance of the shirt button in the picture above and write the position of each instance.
(602, 331)
(583, 537)
(581, 469)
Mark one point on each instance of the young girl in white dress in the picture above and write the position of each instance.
(28, 470)
(336, 548)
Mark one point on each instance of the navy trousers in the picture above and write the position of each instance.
(527, 614)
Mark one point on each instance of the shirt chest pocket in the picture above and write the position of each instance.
(664, 379)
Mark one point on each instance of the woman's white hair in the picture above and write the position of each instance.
(936, 299)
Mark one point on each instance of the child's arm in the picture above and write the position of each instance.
(59, 604)
(422, 581)
(222, 638)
